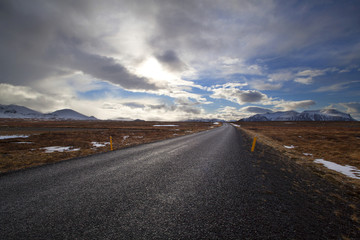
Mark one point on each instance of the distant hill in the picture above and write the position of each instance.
(15, 111)
(205, 120)
(314, 115)
(68, 114)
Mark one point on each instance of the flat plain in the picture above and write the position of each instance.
(207, 185)
(28, 143)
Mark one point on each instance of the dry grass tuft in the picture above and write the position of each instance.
(355, 218)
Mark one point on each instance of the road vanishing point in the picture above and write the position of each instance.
(206, 185)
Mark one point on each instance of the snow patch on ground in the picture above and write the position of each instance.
(14, 136)
(125, 137)
(216, 123)
(60, 149)
(165, 125)
(289, 147)
(99, 144)
(235, 125)
(347, 170)
(307, 154)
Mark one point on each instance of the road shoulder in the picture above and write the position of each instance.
(287, 176)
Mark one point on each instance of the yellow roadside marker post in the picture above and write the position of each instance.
(253, 145)
(111, 147)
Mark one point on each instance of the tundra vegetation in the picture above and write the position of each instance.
(28, 143)
(337, 142)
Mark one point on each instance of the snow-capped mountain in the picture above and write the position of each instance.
(315, 115)
(275, 116)
(14, 111)
(325, 115)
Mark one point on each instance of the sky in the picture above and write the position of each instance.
(174, 60)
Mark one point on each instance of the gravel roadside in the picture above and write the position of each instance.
(331, 208)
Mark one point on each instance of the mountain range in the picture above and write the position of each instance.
(206, 120)
(314, 115)
(15, 111)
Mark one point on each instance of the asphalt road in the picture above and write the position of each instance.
(202, 186)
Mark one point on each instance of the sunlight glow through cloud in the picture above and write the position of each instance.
(152, 69)
(180, 59)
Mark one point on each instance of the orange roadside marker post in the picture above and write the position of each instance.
(253, 145)
(111, 147)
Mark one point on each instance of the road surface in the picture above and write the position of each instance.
(201, 186)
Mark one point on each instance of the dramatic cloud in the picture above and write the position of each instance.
(306, 77)
(108, 69)
(256, 110)
(239, 96)
(228, 113)
(292, 105)
(264, 85)
(184, 54)
(185, 108)
(352, 108)
(170, 59)
(25, 96)
(134, 105)
(46, 43)
(281, 76)
(151, 109)
(228, 66)
(335, 87)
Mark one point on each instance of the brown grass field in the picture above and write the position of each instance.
(338, 142)
(19, 153)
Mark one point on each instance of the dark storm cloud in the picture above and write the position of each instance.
(185, 102)
(180, 106)
(185, 25)
(188, 106)
(250, 96)
(108, 69)
(292, 105)
(26, 33)
(232, 93)
(157, 106)
(185, 106)
(189, 109)
(108, 40)
(257, 110)
(352, 107)
(133, 105)
(48, 38)
(292, 30)
(37, 36)
(312, 33)
(171, 61)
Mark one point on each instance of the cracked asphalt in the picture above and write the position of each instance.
(206, 185)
